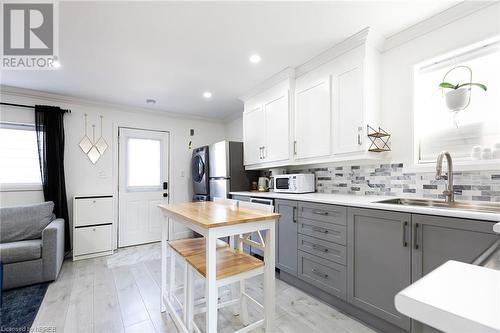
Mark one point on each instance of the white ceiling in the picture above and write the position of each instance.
(173, 51)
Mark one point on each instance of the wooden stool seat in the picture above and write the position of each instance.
(229, 262)
(191, 246)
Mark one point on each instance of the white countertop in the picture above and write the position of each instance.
(369, 201)
(455, 297)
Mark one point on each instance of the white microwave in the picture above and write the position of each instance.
(295, 183)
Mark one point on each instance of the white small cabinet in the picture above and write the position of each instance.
(93, 219)
(266, 126)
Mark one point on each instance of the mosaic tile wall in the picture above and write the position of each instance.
(392, 180)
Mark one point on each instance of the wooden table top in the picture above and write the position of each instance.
(208, 214)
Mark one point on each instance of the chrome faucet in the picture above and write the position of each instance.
(450, 194)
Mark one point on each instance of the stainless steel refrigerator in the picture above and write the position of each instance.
(226, 170)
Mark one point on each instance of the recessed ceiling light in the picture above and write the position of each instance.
(55, 62)
(207, 94)
(255, 58)
(151, 101)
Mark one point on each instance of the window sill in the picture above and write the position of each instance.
(481, 165)
(20, 187)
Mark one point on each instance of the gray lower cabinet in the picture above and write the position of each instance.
(378, 261)
(439, 239)
(286, 256)
(324, 274)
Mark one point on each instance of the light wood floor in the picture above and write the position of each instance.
(120, 293)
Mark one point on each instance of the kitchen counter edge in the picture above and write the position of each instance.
(365, 201)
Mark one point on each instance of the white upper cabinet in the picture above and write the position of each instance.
(348, 131)
(277, 147)
(321, 113)
(266, 123)
(349, 123)
(254, 123)
(312, 117)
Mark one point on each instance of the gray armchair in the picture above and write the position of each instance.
(31, 244)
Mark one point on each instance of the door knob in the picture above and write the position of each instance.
(165, 195)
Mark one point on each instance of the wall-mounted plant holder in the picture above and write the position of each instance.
(379, 139)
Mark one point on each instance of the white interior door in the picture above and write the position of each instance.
(143, 173)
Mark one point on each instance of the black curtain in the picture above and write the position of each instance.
(50, 137)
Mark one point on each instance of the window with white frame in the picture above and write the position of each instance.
(19, 164)
(436, 128)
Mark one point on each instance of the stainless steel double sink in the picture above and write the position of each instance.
(484, 207)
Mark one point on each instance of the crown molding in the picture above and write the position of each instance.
(435, 22)
(11, 91)
(363, 37)
(286, 74)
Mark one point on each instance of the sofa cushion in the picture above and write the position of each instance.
(21, 251)
(25, 222)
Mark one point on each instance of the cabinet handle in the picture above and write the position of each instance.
(325, 231)
(320, 248)
(264, 152)
(294, 214)
(260, 153)
(359, 135)
(320, 212)
(323, 275)
(404, 224)
(295, 147)
(415, 237)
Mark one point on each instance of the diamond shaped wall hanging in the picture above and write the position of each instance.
(101, 144)
(85, 144)
(93, 155)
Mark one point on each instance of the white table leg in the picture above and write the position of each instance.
(235, 290)
(190, 300)
(164, 234)
(211, 291)
(269, 278)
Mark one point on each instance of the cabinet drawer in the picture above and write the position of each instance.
(93, 211)
(92, 239)
(323, 249)
(324, 213)
(326, 231)
(323, 274)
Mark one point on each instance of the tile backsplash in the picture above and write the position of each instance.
(392, 180)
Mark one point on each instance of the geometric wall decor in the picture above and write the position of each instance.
(92, 148)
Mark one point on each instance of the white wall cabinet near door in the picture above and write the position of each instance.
(93, 218)
(266, 127)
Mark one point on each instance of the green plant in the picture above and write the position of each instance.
(447, 85)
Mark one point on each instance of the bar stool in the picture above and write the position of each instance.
(233, 266)
(183, 248)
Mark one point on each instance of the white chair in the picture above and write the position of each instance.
(233, 266)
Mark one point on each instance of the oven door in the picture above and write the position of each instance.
(281, 184)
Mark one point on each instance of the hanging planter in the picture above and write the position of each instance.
(458, 98)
